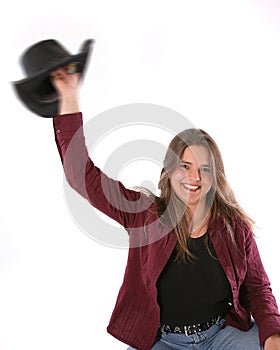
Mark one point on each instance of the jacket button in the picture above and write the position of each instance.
(58, 131)
(234, 288)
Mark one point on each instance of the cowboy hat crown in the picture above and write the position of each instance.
(38, 61)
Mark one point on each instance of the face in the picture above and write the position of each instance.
(192, 178)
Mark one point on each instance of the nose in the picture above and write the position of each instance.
(194, 175)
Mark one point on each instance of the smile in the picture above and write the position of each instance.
(191, 187)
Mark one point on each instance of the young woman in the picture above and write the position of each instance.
(194, 278)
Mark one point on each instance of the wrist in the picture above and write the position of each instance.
(69, 104)
(272, 341)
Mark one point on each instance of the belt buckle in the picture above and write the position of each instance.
(190, 330)
(193, 329)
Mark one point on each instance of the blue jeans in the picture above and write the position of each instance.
(214, 338)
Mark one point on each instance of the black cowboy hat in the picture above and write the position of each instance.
(38, 61)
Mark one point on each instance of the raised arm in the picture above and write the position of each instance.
(104, 193)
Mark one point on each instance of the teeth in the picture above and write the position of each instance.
(190, 187)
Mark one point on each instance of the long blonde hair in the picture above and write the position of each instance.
(220, 199)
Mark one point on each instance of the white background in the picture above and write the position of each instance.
(216, 62)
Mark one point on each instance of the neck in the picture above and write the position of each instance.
(198, 220)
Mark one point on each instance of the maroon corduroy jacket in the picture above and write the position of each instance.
(136, 316)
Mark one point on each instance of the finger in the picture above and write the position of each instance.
(55, 76)
(58, 74)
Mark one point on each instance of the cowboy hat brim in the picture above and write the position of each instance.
(37, 92)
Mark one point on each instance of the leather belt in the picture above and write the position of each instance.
(190, 329)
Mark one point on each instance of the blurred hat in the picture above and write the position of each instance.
(38, 61)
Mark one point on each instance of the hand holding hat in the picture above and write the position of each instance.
(36, 90)
(66, 84)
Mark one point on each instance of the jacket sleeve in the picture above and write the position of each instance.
(258, 292)
(104, 193)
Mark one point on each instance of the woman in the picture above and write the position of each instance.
(194, 278)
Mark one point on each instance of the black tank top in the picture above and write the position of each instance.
(195, 291)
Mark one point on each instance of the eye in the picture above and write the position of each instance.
(205, 169)
(184, 166)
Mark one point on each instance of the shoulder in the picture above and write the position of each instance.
(234, 229)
